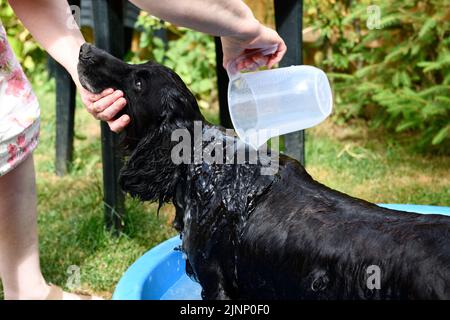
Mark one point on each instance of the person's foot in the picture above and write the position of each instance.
(56, 293)
(49, 292)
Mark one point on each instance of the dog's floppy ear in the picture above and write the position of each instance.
(173, 107)
(149, 173)
(179, 105)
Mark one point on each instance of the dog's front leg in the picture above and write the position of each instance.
(213, 283)
(214, 293)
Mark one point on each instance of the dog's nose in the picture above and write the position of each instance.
(87, 55)
(85, 49)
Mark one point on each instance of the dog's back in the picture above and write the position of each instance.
(306, 241)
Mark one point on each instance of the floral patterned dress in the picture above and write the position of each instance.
(19, 110)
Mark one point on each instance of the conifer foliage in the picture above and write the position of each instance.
(389, 61)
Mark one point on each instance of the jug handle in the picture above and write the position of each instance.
(232, 69)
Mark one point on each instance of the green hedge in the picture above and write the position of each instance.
(396, 72)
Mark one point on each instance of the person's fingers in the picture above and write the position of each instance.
(93, 97)
(104, 102)
(249, 65)
(119, 124)
(89, 98)
(241, 65)
(90, 109)
(259, 60)
(111, 110)
(252, 62)
(278, 55)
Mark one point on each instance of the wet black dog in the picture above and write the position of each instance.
(253, 236)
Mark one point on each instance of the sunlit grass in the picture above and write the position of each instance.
(370, 164)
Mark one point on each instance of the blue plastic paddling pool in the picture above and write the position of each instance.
(160, 273)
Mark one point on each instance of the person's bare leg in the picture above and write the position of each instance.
(20, 270)
(19, 250)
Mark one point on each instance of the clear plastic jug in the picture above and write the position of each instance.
(268, 103)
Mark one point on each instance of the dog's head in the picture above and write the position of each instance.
(156, 96)
(158, 102)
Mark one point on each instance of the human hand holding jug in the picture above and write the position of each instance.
(269, 103)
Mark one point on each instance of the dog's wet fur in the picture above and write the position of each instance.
(253, 236)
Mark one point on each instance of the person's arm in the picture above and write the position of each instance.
(49, 22)
(52, 25)
(215, 17)
(231, 19)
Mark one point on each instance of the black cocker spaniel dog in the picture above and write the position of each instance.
(249, 235)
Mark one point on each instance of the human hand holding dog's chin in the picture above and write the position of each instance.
(235, 47)
(105, 106)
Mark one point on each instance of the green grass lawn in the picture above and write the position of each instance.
(364, 163)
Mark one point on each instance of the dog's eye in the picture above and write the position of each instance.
(138, 85)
